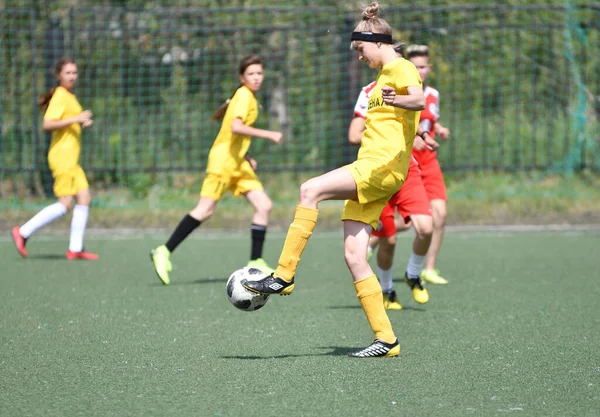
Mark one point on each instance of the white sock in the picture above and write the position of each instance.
(385, 279)
(78, 222)
(44, 217)
(415, 265)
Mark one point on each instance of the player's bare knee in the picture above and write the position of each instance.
(263, 211)
(425, 234)
(439, 219)
(423, 227)
(309, 194)
(67, 202)
(351, 257)
(391, 240)
(265, 206)
(82, 197)
(208, 211)
(425, 231)
(85, 200)
(202, 212)
(354, 262)
(438, 212)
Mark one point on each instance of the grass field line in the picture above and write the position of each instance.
(217, 234)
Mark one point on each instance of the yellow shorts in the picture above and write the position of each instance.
(69, 181)
(375, 185)
(239, 183)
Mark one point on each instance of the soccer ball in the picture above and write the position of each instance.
(240, 297)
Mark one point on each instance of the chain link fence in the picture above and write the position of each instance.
(520, 85)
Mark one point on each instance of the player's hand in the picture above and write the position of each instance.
(419, 143)
(275, 137)
(400, 225)
(443, 132)
(388, 94)
(87, 123)
(84, 116)
(430, 144)
(253, 162)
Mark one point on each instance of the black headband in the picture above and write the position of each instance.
(371, 37)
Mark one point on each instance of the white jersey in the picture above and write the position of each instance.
(362, 103)
(431, 113)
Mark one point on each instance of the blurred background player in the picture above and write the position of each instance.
(366, 184)
(64, 118)
(412, 204)
(428, 163)
(230, 168)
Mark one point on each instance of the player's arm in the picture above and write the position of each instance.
(251, 160)
(442, 131)
(424, 140)
(357, 125)
(414, 99)
(356, 129)
(84, 118)
(428, 141)
(239, 128)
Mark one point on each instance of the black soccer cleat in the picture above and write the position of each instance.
(390, 301)
(378, 349)
(269, 285)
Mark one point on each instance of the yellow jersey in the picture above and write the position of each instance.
(66, 142)
(390, 131)
(229, 150)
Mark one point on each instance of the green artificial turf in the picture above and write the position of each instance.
(515, 332)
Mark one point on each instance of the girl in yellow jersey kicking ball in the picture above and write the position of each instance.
(367, 184)
(65, 118)
(230, 169)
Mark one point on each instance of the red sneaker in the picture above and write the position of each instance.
(87, 256)
(20, 241)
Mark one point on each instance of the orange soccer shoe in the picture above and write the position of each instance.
(86, 256)
(20, 241)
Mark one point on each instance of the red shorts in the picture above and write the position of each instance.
(433, 180)
(410, 200)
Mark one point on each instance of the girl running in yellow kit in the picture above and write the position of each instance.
(230, 169)
(65, 118)
(367, 184)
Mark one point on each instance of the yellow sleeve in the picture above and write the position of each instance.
(56, 107)
(239, 107)
(408, 77)
(401, 76)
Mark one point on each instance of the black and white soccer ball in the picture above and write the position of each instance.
(239, 296)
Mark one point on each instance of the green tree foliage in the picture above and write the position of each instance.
(519, 82)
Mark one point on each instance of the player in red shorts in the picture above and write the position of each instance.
(431, 172)
(413, 205)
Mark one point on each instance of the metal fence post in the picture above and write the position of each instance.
(349, 86)
(54, 48)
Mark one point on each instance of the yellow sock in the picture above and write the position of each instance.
(300, 230)
(369, 294)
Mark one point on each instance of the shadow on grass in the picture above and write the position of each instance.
(404, 308)
(333, 351)
(47, 256)
(210, 280)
